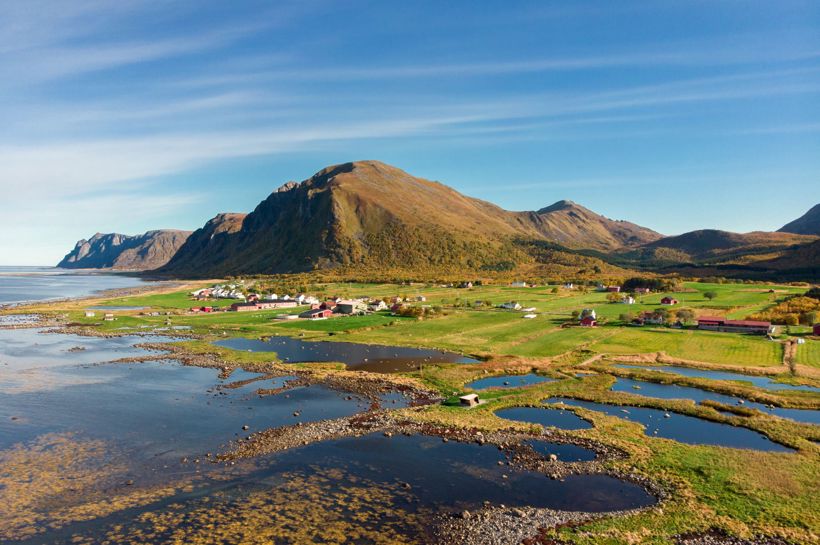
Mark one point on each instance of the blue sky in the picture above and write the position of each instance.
(127, 116)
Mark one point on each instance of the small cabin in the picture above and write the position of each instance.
(90, 313)
(816, 329)
(669, 301)
(469, 400)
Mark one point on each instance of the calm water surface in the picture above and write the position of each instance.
(364, 357)
(26, 284)
(673, 391)
(686, 429)
(759, 381)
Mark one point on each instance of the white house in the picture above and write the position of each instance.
(628, 300)
(518, 285)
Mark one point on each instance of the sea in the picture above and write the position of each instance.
(28, 284)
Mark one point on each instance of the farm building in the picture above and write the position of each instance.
(669, 301)
(469, 400)
(816, 329)
(316, 314)
(588, 321)
(90, 313)
(589, 312)
(263, 305)
(613, 289)
(349, 306)
(628, 300)
(518, 285)
(716, 323)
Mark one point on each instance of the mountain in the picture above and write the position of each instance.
(574, 226)
(807, 224)
(367, 214)
(115, 251)
(207, 244)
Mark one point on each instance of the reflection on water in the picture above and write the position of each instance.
(673, 391)
(686, 429)
(759, 381)
(364, 357)
(379, 489)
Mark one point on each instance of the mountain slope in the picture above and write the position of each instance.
(712, 245)
(205, 245)
(574, 226)
(369, 214)
(115, 251)
(807, 224)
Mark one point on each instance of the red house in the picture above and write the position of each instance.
(588, 321)
(613, 289)
(716, 323)
(669, 301)
(816, 329)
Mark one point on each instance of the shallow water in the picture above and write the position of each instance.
(759, 381)
(565, 420)
(564, 451)
(364, 357)
(508, 381)
(686, 429)
(150, 407)
(385, 488)
(25, 284)
(673, 391)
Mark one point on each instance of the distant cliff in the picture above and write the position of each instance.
(122, 252)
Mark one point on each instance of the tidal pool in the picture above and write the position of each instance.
(557, 418)
(54, 383)
(759, 381)
(370, 489)
(364, 357)
(565, 452)
(508, 381)
(683, 428)
(674, 391)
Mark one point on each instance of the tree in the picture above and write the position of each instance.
(685, 315)
(626, 317)
(814, 293)
(613, 297)
(710, 295)
(575, 314)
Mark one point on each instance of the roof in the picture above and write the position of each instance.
(740, 323)
(469, 397)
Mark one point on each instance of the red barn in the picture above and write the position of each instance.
(816, 329)
(588, 321)
(614, 289)
(669, 301)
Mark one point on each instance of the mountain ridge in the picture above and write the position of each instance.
(149, 250)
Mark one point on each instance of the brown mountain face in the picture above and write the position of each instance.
(369, 214)
(574, 226)
(807, 224)
(114, 251)
(207, 243)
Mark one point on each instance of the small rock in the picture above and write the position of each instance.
(245, 427)
(465, 514)
(553, 458)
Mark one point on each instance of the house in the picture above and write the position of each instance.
(613, 289)
(421, 298)
(109, 317)
(816, 329)
(669, 301)
(716, 323)
(642, 291)
(90, 314)
(518, 285)
(628, 300)
(569, 286)
(467, 285)
(317, 314)
(469, 400)
(349, 306)
(589, 312)
(654, 318)
(588, 321)
(510, 305)
(329, 304)
(377, 305)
